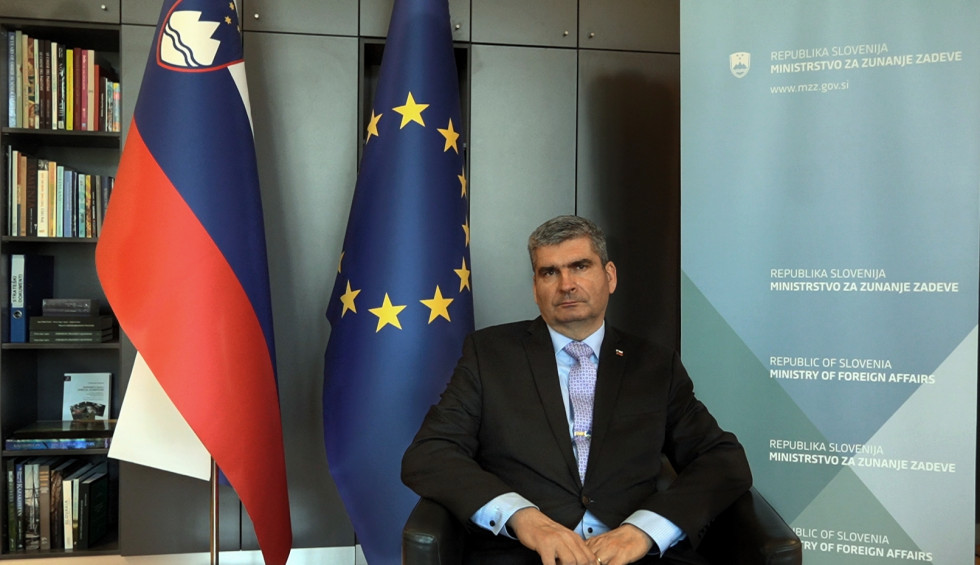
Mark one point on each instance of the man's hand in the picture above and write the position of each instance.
(625, 544)
(555, 543)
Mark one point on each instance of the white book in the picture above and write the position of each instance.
(87, 396)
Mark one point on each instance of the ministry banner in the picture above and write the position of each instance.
(830, 218)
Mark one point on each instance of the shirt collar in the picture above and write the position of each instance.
(559, 341)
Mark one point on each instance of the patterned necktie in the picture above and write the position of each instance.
(581, 389)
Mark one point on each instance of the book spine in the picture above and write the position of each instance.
(18, 314)
(11, 79)
(19, 41)
(44, 486)
(30, 84)
(32, 524)
(70, 89)
(44, 79)
(22, 194)
(60, 206)
(14, 444)
(57, 507)
(90, 95)
(31, 191)
(83, 98)
(11, 506)
(66, 513)
(14, 196)
(62, 83)
(43, 206)
(19, 503)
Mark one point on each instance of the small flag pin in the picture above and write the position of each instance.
(619, 352)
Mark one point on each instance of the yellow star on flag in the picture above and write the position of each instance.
(466, 230)
(451, 137)
(411, 112)
(340, 262)
(387, 314)
(462, 182)
(438, 306)
(372, 128)
(347, 299)
(464, 276)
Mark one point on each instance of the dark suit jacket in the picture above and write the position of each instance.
(500, 426)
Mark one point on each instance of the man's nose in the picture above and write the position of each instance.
(566, 281)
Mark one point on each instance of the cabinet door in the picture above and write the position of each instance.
(333, 17)
(629, 181)
(93, 11)
(522, 167)
(630, 25)
(146, 12)
(551, 23)
(375, 15)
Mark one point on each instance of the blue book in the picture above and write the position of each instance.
(31, 281)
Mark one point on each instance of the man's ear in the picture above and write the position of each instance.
(611, 276)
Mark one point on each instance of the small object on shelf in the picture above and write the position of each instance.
(62, 434)
(31, 280)
(86, 396)
(72, 329)
(82, 307)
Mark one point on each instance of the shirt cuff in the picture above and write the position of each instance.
(662, 531)
(493, 515)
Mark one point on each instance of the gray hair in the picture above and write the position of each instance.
(563, 228)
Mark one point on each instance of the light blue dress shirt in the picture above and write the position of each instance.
(494, 515)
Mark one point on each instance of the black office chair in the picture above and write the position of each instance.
(749, 532)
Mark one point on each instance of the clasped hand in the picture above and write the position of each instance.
(557, 545)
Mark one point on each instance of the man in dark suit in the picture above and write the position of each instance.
(500, 450)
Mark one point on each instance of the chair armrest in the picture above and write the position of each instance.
(751, 532)
(431, 536)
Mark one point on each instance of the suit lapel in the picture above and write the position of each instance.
(544, 370)
(608, 382)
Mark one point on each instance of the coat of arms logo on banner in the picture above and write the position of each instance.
(739, 63)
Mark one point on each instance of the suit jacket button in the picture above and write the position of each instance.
(585, 500)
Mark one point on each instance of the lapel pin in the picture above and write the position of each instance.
(619, 352)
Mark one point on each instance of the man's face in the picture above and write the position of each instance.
(572, 287)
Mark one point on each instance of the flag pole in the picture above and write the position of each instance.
(214, 512)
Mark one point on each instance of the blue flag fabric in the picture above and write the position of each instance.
(402, 301)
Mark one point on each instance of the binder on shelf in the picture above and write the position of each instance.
(31, 280)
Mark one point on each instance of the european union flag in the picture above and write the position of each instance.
(402, 301)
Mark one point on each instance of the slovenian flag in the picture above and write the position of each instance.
(402, 302)
(182, 260)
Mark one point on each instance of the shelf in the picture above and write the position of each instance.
(57, 452)
(105, 345)
(108, 546)
(67, 138)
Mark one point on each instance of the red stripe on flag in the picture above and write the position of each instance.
(184, 309)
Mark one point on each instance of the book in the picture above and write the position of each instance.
(32, 506)
(11, 79)
(31, 280)
(69, 503)
(56, 444)
(44, 488)
(87, 323)
(58, 473)
(83, 307)
(87, 396)
(12, 516)
(93, 506)
(71, 336)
